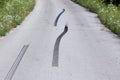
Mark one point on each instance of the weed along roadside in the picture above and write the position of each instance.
(109, 14)
(13, 12)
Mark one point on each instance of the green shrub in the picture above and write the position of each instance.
(13, 12)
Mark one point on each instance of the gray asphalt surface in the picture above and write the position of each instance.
(87, 51)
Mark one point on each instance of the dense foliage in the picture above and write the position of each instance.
(108, 14)
(12, 13)
(2, 3)
(114, 2)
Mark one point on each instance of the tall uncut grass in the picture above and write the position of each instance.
(108, 14)
(12, 13)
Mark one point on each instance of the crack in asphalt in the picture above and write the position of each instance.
(56, 21)
(16, 63)
(55, 61)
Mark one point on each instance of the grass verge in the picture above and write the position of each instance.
(108, 14)
(13, 12)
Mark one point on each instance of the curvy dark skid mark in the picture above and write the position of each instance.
(56, 21)
(16, 63)
(55, 62)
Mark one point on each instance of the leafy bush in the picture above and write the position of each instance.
(114, 2)
(108, 14)
(12, 13)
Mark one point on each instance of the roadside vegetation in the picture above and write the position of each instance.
(13, 12)
(109, 14)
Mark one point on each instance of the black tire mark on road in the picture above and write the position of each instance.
(55, 61)
(56, 21)
(16, 63)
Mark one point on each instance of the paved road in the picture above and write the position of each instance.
(39, 50)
